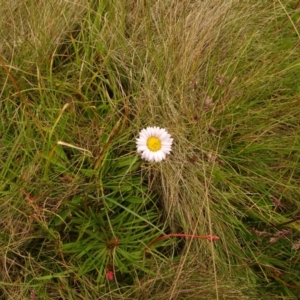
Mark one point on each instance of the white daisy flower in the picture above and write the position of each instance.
(154, 143)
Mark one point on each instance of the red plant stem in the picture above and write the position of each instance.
(207, 237)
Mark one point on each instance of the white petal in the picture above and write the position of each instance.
(164, 136)
(142, 149)
(157, 157)
(160, 155)
(164, 155)
(144, 133)
(143, 136)
(141, 140)
(151, 131)
(151, 156)
(146, 154)
(166, 144)
(141, 143)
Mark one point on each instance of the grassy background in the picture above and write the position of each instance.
(80, 81)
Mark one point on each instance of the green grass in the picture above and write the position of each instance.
(77, 202)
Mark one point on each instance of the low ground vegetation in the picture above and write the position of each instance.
(83, 216)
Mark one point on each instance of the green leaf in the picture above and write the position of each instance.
(133, 199)
(62, 216)
(56, 275)
(88, 172)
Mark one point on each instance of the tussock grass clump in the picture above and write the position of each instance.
(80, 208)
(32, 30)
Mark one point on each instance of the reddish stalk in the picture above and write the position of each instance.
(206, 237)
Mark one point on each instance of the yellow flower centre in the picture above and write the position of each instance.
(154, 143)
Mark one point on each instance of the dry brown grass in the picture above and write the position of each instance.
(30, 30)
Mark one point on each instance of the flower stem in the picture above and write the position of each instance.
(206, 237)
